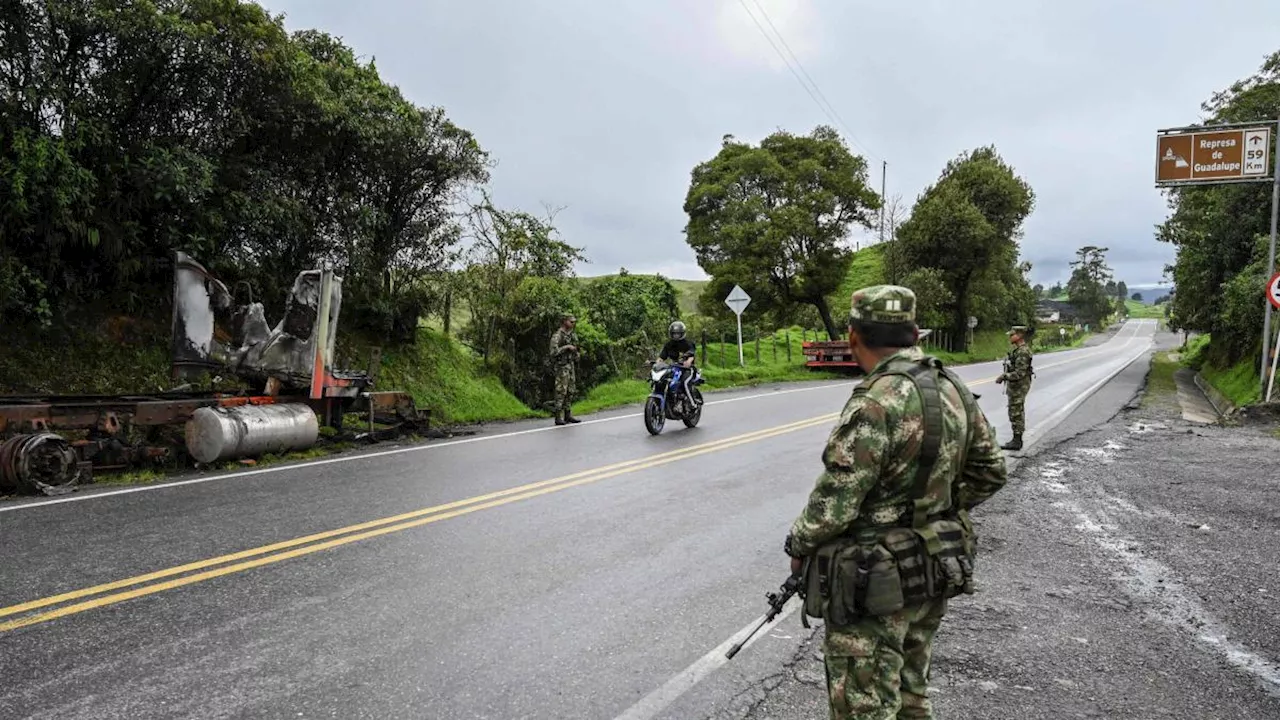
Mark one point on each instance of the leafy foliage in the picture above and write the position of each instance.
(965, 228)
(201, 125)
(774, 218)
(1218, 230)
(1088, 287)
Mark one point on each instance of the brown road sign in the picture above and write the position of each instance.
(1217, 155)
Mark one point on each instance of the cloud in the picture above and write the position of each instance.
(605, 107)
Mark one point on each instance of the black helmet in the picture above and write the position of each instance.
(676, 330)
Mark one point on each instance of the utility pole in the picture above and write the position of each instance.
(884, 171)
(1271, 263)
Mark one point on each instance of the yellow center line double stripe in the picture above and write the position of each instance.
(297, 547)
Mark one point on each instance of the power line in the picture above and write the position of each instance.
(825, 105)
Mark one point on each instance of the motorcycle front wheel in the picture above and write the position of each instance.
(654, 420)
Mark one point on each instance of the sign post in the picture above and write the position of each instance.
(1221, 154)
(1273, 300)
(738, 301)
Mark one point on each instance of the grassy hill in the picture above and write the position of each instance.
(867, 268)
(1142, 310)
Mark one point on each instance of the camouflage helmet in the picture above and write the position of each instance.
(567, 316)
(1017, 330)
(889, 304)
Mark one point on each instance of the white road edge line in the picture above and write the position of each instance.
(384, 453)
(377, 454)
(1056, 418)
(658, 700)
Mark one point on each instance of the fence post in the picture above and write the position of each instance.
(722, 344)
(757, 347)
(704, 348)
(788, 334)
(774, 336)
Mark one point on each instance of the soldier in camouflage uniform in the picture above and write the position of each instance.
(1017, 379)
(878, 667)
(564, 350)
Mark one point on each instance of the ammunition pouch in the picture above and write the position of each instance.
(847, 581)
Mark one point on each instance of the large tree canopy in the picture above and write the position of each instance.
(128, 130)
(775, 218)
(966, 226)
(1219, 232)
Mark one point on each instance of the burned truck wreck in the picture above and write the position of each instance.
(51, 444)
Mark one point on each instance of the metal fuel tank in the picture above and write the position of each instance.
(224, 433)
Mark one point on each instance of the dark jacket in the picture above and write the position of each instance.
(675, 349)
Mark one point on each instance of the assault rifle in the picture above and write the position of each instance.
(793, 585)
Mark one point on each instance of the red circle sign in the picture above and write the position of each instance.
(1273, 290)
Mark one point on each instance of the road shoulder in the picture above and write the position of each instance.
(1123, 573)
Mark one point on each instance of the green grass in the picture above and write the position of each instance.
(101, 356)
(441, 375)
(1140, 310)
(1160, 382)
(866, 268)
(688, 292)
(1237, 382)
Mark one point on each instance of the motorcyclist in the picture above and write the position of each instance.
(682, 350)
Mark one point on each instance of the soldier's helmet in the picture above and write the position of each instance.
(676, 330)
(1017, 330)
(888, 304)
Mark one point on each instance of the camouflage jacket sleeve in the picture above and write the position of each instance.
(560, 342)
(984, 470)
(1021, 371)
(853, 460)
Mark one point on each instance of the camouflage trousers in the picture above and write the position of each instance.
(566, 386)
(1018, 405)
(878, 668)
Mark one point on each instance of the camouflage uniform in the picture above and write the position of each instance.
(1017, 379)
(562, 363)
(878, 668)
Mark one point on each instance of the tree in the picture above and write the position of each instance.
(1057, 291)
(1122, 291)
(967, 227)
(1216, 231)
(1038, 289)
(896, 212)
(775, 218)
(1137, 297)
(143, 128)
(1087, 289)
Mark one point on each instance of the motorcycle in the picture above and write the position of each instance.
(667, 399)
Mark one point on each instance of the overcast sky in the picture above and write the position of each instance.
(604, 106)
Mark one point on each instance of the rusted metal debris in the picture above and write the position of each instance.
(289, 364)
(40, 462)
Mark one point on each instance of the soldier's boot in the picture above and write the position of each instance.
(1014, 444)
(560, 417)
(569, 418)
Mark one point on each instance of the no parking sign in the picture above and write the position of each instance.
(1273, 291)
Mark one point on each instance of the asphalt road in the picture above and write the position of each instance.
(532, 571)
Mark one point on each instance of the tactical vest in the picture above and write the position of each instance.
(1031, 361)
(879, 570)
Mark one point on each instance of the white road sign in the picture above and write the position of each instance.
(1273, 291)
(738, 300)
(973, 322)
